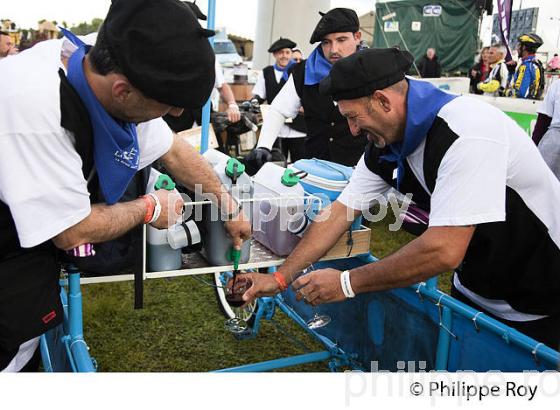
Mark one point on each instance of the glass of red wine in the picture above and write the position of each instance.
(234, 296)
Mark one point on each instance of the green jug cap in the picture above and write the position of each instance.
(234, 168)
(234, 255)
(289, 179)
(164, 181)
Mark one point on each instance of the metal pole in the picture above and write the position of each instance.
(206, 110)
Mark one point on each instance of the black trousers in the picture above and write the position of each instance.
(545, 330)
(294, 146)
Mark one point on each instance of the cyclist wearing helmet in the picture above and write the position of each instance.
(528, 81)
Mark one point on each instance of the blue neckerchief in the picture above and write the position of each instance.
(115, 144)
(285, 70)
(317, 67)
(424, 101)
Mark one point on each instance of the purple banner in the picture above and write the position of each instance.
(504, 20)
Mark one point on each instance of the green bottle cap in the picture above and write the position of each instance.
(289, 178)
(234, 168)
(164, 181)
(234, 255)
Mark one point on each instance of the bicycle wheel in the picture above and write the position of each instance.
(246, 313)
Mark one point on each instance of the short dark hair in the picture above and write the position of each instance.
(100, 56)
(3, 33)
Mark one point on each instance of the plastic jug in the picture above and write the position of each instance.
(278, 201)
(217, 244)
(160, 255)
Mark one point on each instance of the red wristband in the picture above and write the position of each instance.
(281, 281)
(150, 207)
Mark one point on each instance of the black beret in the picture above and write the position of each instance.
(280, 44)
(364, 72)
(162, 50)
(339, 20)
(196, 10)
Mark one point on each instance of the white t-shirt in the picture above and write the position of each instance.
(220, 79)
(41, 176)
(490, 154)
(551, 104)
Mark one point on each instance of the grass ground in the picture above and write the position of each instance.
(181, 328)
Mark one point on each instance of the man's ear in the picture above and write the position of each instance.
(358, 35)
(121, 90)
(381, 98)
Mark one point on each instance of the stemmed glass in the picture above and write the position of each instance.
(234, 296)
(318, 320)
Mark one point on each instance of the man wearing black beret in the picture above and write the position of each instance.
(268, 85)
(80, 120)
(328, 135)
(490, 197)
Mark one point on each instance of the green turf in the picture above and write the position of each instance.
(181, 328)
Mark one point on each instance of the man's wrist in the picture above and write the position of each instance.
(149, 205)
(280, 281)
(346, 284)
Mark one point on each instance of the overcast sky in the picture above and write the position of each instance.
(238, 16)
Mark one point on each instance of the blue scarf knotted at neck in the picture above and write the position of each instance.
(115, 143)
(424, 101)
(317, 67)
(285, 70)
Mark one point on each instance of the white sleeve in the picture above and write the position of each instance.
(220, 79)
(271, 129)
(42, 183)
(287, 102)
(364, 189)
(471, 184)
(154, 139)
(259, 88)
(547, 106)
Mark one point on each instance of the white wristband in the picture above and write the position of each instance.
(157, 209)
(346, 285)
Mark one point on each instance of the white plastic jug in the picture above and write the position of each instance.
(160, 255)
(278, 201)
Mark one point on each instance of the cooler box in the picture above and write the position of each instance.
(326, 180)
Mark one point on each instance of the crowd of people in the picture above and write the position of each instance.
(495, 75)
(80, 120)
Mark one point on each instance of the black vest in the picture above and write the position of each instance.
(329, 136)
(515, 260)
(272, 88)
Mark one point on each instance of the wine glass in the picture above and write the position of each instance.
(318, 320)
(234, 296)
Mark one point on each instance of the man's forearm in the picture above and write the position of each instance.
(104, 223)
(190, 169)
(436, 251)
(227, 94)
(317, 241)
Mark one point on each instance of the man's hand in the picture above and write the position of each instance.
(239, 229)
(233, 113)
(258, 157)
(263, 285)
(171, 208)
(319, 286)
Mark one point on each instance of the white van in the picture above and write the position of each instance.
(226, 53)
